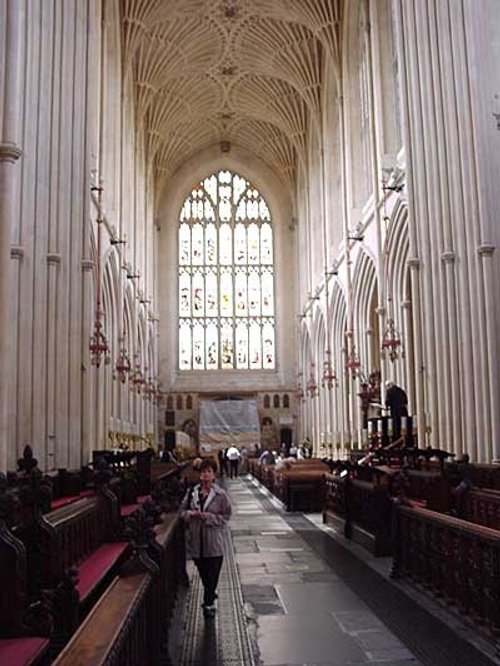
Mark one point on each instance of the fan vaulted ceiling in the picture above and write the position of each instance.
(247, 72)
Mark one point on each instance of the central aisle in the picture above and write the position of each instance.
(290, 595)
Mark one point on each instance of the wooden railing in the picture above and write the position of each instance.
(370, 507)
(482, 506)
(335, 495)
(452, 559)
(361, 510)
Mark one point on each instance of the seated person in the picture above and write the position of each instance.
(460, 490)
(267, 458)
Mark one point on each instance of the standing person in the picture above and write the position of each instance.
(206, 510)
(224, 462)
(233, 455)
(396, 401)
(244, 460)
(221, 456)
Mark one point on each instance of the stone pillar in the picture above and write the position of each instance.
(88, 427)
(10, 152)
(449, 213)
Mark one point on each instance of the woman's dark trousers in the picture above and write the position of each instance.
(209, 570)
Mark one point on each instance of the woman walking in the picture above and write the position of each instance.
(206, 510)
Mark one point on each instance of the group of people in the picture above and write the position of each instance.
(230, 459)
(282, 457)
(206, 508)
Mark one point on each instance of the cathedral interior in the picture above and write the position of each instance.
(285, 204)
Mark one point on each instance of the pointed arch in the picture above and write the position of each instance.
(365, 298)
(400, 306)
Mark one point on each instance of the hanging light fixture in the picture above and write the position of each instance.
(123, 366)
(391, 340)
(299, 393)
(98, 344)
(329, 379)
(353, 363)
(150, 390)
(158, 393)
(312, 387)
(137, 378)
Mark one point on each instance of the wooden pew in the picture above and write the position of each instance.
(117, 627)
(24, 627)
(71, 553)
(129, 624)
(301, 486)
(482, 475)
(81, 534)
(134, 467)
(70, 485)
(86, 536)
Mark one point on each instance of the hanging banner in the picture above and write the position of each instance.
(226, 422)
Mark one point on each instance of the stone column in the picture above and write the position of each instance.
(10, 152)
(88, 428)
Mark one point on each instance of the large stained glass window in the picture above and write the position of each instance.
(226, 277)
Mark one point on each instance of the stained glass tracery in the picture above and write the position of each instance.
(226, 277)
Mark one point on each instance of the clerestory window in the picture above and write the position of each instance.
(226, 277)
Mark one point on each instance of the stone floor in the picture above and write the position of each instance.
(295, 593)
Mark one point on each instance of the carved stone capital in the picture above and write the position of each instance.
(16, 252)
(448, 257)
(413, 263)
(486, 250)
(53, 258)
(9, 152)
(87, 264)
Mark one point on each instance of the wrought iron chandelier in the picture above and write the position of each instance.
(137, 377)
(391, 340)
(150, 390)
(123, 366)
(329, 378)
(312, 387)
(98, 343)
(299, 394)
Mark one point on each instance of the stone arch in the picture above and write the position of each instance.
(400, 306)
(169, 204)
(365, 299)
